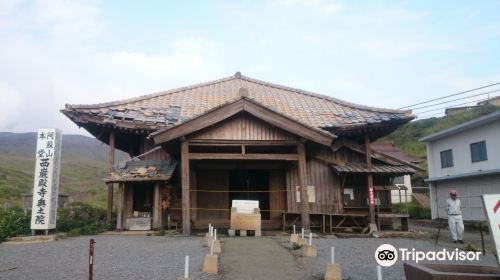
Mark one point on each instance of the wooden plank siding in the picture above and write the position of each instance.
(147, 145)
(277, 199)
(243, 127)
(327, 186)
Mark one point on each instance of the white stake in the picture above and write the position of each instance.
(211, 231)
(310, 239)
(379, 272)
(302, 233)
(215, 234)
(209, 228)
(293, 229)
(212, 248)
(333, 255)
(186, 267)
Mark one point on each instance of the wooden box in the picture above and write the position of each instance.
(245, 221)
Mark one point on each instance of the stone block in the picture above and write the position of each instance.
(217, 247)
(333, 272)
(211, 264)
(294, 238)
(231, 232)
(309, 251)
(243, 233)
(303, 242)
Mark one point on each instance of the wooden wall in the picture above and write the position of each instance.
(327, 187)
(243, 127)
(277, 199)
(147, 145)
(212, 180)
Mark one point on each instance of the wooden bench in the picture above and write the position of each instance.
(404, 219)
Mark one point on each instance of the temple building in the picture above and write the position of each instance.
(305, 157)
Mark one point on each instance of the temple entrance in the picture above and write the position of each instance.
(251, 185)
(143, 199)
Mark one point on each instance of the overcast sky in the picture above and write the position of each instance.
(379, 53)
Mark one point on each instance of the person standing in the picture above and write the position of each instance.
(455, 221)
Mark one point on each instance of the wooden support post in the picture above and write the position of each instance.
(111, 162)
(186, 224)
(156, 206)
(120, 200)
(370, 179)
(304, 201)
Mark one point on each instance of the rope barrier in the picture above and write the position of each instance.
(227, 191)
(224, 209)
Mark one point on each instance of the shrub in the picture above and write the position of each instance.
(79, 218)
(13, 222)
(416, 211)
(296, 246)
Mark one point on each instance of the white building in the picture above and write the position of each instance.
(465, 158)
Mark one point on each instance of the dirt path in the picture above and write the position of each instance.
(255, 258)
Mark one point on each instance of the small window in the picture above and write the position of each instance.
(446, 159)
(478, 151)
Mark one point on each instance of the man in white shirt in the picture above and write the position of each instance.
(455, 220)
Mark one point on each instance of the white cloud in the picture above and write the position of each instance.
(10, 104)
(52, 56)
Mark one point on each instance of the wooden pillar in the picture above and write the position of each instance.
(156, 207)
(186, 224)
(120, 202)
(370, 179)
(111, 162)
(304, 200)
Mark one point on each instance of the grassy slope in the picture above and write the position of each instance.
(83, 166)
(407, 136)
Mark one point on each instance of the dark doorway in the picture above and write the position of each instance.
(143, 198)
(246, 183)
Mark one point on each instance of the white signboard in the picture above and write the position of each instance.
(492, 209)
(46, 184)
(245, 206)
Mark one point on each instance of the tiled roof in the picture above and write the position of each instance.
(172, 107)
(376, 168)
(395, 151)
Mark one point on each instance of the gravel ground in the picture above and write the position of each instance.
(116, 257)
(356, 256)
(142, 257)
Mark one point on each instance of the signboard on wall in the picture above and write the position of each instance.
(46, 183)
(492, 208)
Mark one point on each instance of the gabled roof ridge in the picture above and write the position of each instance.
(325, 97)
(148, 96)
(238, 75)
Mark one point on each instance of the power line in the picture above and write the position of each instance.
(456, 105)
(444, 102)
(455, 94)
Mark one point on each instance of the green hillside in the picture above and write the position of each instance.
(83, 165)
(407, 136)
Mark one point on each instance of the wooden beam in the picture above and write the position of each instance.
(214, 142)
(287, 124)
(198, 123)
(156, 206)
(329, 159)
(368, 152)
(304, 201)
(244, 105)
(186, 223)
(120, 202)
(111, 162)
(235, 156)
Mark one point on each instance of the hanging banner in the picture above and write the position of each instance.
(492, 208)
(46, 183)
